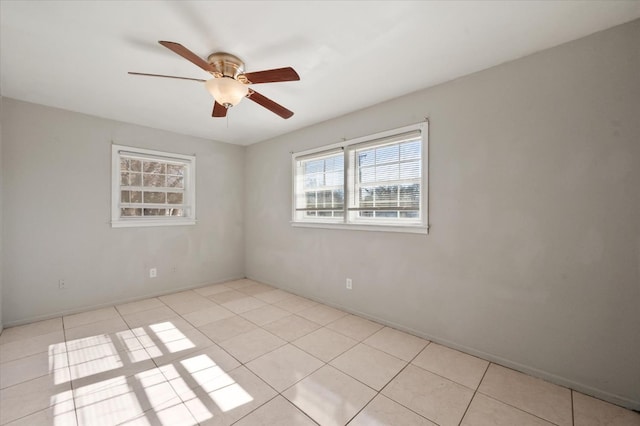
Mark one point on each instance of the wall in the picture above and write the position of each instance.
(1, 222)
(533, 258)
(56, 168)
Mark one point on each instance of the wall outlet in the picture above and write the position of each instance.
(349, 284)
(153, 272)
(61, 284)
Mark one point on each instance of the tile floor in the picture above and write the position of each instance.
(245, 353)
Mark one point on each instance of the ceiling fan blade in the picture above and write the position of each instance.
(187, 54)
(272, 76)
(269, 104)
(166, 76)
(219, 110)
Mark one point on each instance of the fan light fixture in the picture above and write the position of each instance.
(227, 91)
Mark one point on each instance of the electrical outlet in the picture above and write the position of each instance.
(153, 272)
(349, 284)
(61, 284)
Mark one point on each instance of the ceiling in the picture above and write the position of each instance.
(350, 55)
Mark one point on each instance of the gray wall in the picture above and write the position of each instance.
(1, 222)
(533, 258)
(56, 168)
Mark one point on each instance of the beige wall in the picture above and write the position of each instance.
(56, 168)
(533, 259)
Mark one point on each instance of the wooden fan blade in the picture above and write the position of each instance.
(269, 104)
(187, 54)
(219, 110)
(272, 76)
(166, 76)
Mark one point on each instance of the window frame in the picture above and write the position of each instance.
(349, 147)
(189, 193)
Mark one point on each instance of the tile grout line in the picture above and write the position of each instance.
(66, 350)
(378, 393)
(573, 420)
(517, 408)
(155, 363)
(474, 394)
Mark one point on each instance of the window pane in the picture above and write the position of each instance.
(124, 196)
(410, 195)
(366, 197)
(366, 158)
(410, 214)
(135, 179)
(368, 175)
(338, 198)
(387, 154)
(410, 170)
(313, 166)
(155, 167)
(334, 178)
(154, 197)
(175, 181)
(313, 180)
(154, 180)
(334, 163)
(130, 212)
(410, 150)
(310, 199)
(176, 212)
(175, 169)
(155, 212)
(124, 179)
(386, 196)
(324, 198)
(388, 172)
(129, 164)
(136, 196)
(174, 197)
(391, 214)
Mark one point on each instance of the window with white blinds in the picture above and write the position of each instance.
(152, 188)
(376, 182)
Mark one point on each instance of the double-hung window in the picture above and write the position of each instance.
(152, 188)
(375, 182)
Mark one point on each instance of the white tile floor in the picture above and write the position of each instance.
(245, 353)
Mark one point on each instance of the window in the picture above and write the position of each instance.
(376, 182)
(151, 188)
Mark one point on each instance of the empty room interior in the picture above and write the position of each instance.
(320, 213)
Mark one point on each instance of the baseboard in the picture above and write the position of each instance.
(535, 372)
(117, 302)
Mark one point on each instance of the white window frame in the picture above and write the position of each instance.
(348, 221)
(189, 197)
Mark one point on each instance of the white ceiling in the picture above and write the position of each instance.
(75, 55)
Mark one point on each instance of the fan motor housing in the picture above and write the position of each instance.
(226, 64)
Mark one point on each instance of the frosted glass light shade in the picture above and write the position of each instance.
(226, 91)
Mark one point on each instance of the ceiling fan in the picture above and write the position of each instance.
(230, 83)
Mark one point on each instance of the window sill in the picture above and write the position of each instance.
(410, 229)
(145, 223)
